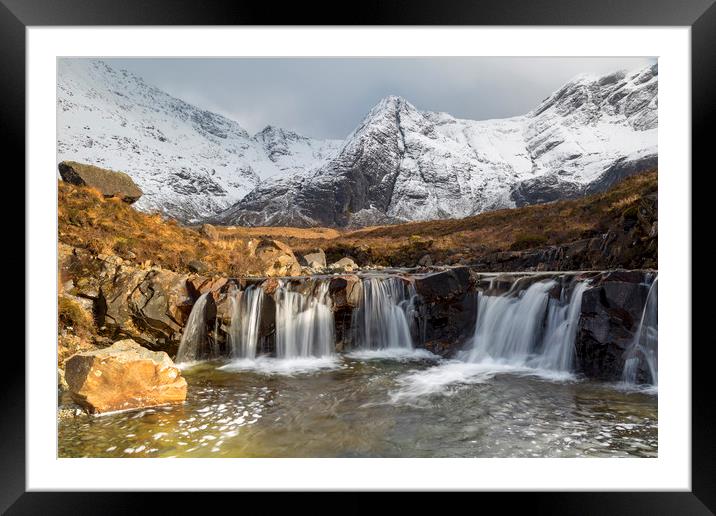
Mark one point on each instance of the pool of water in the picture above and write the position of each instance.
(376, 405)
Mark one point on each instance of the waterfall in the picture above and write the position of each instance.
(243, 334)
(304, 321)
(194, 335)
(561, 331)
(382, 319)
(508, 327)
(527, 328)
(644, 348)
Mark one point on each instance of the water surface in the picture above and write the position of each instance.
(376, 404)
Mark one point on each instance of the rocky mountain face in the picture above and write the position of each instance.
(400, 164)
(190, 163)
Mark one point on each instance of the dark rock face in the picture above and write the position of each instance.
(447, 284)
(544, 189)
(551, 187)
(109, 182)
(447, 310)
(619, 170)
(610, 316)
(361, 176)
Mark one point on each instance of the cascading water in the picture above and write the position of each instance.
(643, 351)
(195, 335)
(561, 331)
(243, 334)
(527, 328)
(382, 321)
(304, 322)
(509, 327)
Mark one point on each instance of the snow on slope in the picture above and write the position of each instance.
(399, 164)
(190, 163)
(290, 152)
(402, 164)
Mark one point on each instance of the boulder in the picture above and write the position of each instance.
(123, 376)
(210, 232)
(447, 304)
(446, 284)
(277, 258)
(161, 304)
(426, 261)
(346, 292)
(269, 286)
(344, 265)
(198, 285)
(610, 316)
(197, 266)
(314, 260)
(109, 182)
(150, 307)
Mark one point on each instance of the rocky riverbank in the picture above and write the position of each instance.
(152, 305)
(129, 275)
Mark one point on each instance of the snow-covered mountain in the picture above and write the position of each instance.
(402, 164)
(399, 164)
(190, 163)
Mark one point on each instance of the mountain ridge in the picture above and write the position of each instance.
(189, 162)
(399, 164)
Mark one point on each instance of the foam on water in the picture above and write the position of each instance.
(399, 354)
(283, 366)
(442, 378)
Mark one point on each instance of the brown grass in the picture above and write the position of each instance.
(111, 226)
(452, 240)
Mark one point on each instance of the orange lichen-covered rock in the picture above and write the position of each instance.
(123, 376)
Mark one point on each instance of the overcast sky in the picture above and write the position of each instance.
(328, 97)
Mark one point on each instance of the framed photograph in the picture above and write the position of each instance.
(419, 252)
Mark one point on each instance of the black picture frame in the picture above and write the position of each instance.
(700, 15)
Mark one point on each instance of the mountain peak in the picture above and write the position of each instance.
(393, 103)
(590, 97)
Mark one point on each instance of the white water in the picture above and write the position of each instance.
(644, 347)
(562, 323)
(195, 335)
(522, 332)
(527, 328)
(450, 376)
(382, 319)
(304, 322)
(284, 366)
(509, 326)
(243, 332)
(397, 354)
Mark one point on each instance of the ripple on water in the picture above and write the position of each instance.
(374, 406)
(444, 378)
(397, 354)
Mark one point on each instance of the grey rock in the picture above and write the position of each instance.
(109, 182)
